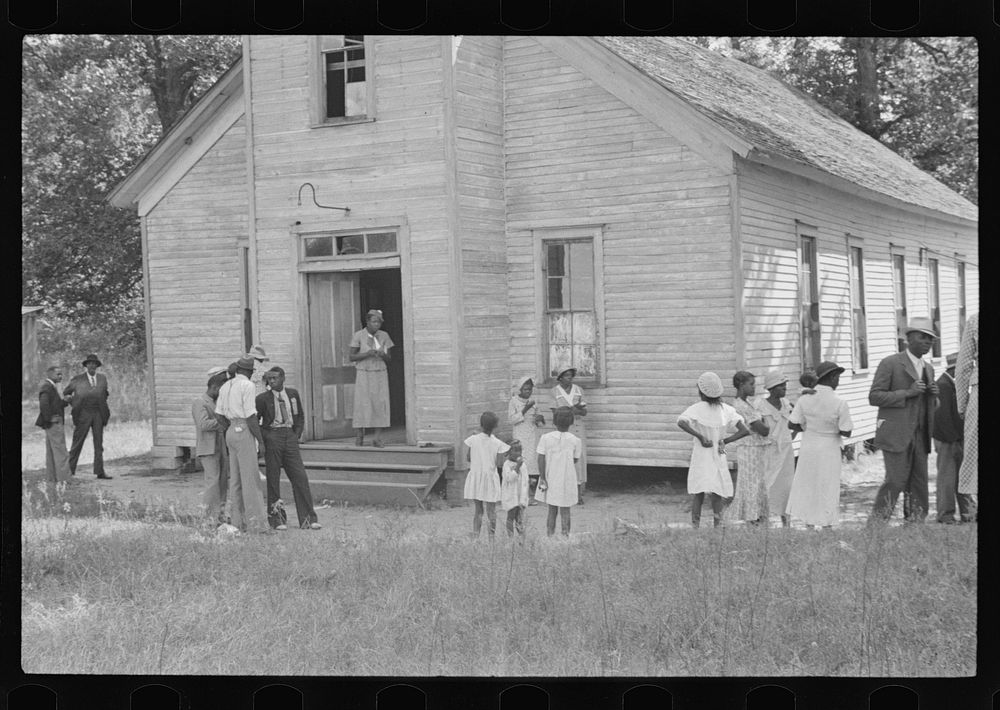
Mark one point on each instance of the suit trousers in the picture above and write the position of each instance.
(56, 457)
(905, 471)
(282, 451)
(216, 484)
(89, 421)
(949, 460)
(246, 504)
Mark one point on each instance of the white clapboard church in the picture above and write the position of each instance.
(640, 208)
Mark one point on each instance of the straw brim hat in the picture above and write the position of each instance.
(773, 379)
(921, 325)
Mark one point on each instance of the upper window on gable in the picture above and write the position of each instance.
(344, 72)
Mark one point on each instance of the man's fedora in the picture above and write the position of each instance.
(922, 325)
(825, 368)
(92, 358)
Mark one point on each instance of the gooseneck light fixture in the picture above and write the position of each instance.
(326, 207)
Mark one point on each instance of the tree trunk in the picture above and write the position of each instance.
(866, 86)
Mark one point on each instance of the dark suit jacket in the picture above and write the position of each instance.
(50, 405)
(898, 415)
(948, 426)
(87, 398)
(265, 409)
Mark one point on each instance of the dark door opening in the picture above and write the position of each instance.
(381, 289)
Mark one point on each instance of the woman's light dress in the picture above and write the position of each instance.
(483, 482)
(562, 398)
(371, 385)
(707, 470)
(524, 428)
(815, 494)
(559, 449)
(967, 398)
(750, 501)
(780, 465)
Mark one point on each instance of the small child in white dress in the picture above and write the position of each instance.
(514, 488)
(708, 421)
(482, 485)
(558, 452)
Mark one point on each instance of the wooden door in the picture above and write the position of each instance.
(333, 307)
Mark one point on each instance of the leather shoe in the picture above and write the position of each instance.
(105, 477)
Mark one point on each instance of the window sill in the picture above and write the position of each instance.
(861, 371)
(343, 121)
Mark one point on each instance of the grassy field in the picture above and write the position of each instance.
(113, 588)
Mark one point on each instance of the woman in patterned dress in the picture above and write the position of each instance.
(567, 394)
(369, 351)
(752, 455)
(967, 398)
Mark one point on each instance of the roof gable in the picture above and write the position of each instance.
(782, 123)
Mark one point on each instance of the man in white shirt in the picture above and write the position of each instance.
(236, 411)
(905, 393)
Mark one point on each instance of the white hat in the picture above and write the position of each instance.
(212, 371)
(773, 379)
(710, 385)
(257, 353)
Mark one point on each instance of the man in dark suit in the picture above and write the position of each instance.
(51, 418)
(88, 397)
(948, 445)
(905, 393)
(281, 421)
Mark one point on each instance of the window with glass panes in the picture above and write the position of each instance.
(570, 307)
(899, 297)
(934, 299)
(859, 321)
(344, 73)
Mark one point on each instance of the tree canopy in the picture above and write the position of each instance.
(92, 105)
(917, 95)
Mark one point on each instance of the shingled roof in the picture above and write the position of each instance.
(778, 120)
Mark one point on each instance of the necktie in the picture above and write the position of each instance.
(93, 381)
(284, 409)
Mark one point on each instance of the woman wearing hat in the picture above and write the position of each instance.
(711, 422)
(369, 351)
(823, 418)
(567, 394)
(750, 501)
(261, 364)
(522, 413)
(779, 468)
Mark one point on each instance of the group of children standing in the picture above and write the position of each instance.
(549, 469)
(768, 480)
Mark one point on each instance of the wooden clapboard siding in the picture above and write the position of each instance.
(576, 155)
(479, 183)
(385, 170)
(194, 299)
(771, 203)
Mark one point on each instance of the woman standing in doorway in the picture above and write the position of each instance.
(567, 394)
(370, 352)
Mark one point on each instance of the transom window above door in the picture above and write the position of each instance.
(331, 246)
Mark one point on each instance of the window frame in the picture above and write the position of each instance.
(859, 340)
(334, 235)
(542, 238)
(317, 86)
(246, 310)
(809, 338)
(961, 295)
(898, 253)
(934, 301)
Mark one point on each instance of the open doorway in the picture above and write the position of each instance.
(337, 303)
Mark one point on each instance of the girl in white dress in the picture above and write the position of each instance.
(823, 418)
(713, 424)
(558, 454)
(514, 487)
(482, 484)
(567, 394)
(780, 467)
(522, 413)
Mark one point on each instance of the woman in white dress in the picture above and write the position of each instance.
(824, 418)
(780, 465)
(369, 351)
(523, 415)
(567, 394)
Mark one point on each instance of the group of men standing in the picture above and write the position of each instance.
(247, 413)
(913, 410)
(87, 396)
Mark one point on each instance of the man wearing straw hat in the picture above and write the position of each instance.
(87, 394)
(210, 446)
(905, 393)
(948, 445)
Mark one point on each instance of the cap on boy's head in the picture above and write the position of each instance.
(488, 421)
